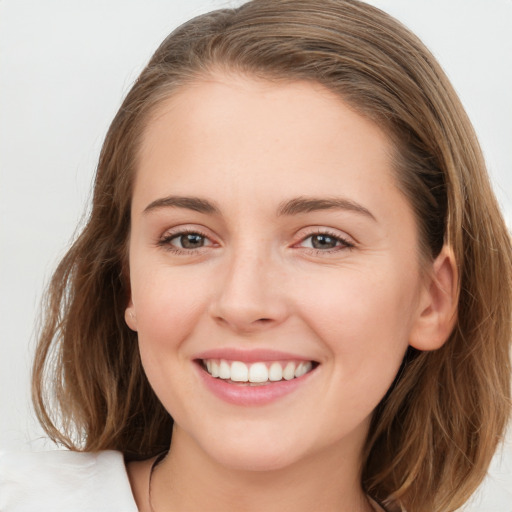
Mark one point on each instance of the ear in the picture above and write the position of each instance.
(438, 304)
(129, 316)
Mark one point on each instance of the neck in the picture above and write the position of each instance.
(188, 479)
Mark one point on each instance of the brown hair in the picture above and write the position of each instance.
(433, 435)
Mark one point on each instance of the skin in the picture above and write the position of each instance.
(247, 147)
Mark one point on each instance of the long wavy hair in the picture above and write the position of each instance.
(433, 435)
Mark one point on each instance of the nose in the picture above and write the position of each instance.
(250, 295)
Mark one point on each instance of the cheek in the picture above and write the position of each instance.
(168, 306)
(364, 319)
(167, 312)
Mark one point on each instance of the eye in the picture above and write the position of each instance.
(326, 242)
(189, 241)
(184, 241)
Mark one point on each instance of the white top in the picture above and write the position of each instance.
(64, 481)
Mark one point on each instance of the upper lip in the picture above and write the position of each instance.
(250, 356)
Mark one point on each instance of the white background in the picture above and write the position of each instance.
(65, 66)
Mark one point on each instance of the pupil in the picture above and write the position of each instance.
(191, 241)
(323, 242)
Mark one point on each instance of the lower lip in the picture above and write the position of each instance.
(247, 395)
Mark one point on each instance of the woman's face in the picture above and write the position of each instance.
(269, 239)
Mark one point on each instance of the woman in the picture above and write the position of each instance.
(286, 271)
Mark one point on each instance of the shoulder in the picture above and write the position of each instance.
(63, 481)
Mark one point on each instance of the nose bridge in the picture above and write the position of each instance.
(249, 295)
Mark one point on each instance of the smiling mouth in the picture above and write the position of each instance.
(257, 373)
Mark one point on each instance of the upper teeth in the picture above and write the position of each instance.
(256, 372)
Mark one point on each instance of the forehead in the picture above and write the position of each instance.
(309, 109)
(237, 128)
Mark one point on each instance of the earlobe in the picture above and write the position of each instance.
(438, 304)
(130, 317)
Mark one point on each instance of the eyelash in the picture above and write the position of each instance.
(344, 244)
(165, 242)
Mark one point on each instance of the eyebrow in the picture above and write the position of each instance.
(292, 207)
(312, 204)
(190, 203)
